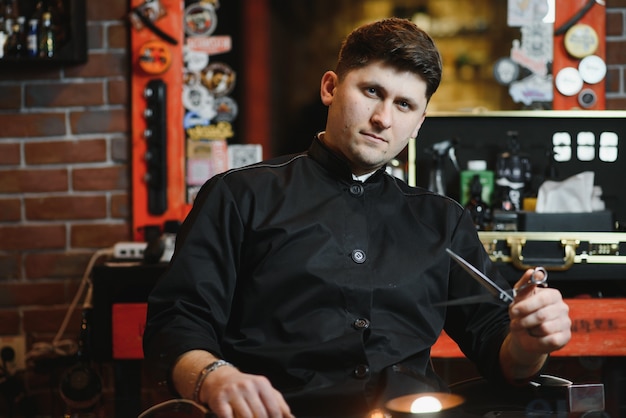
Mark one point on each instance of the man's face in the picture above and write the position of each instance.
(372, 114)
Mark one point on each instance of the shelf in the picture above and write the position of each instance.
(73, 52)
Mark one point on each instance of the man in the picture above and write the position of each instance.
(310, 284)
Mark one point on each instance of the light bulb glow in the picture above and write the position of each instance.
(425, 404)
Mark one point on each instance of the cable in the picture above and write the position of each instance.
(68, 347)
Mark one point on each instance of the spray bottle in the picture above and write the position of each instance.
(441, 151)
(513, 173)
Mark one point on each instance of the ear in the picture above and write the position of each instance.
(419, 125)
(328, 86)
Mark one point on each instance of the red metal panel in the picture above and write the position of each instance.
(171, 23)
(127, 325)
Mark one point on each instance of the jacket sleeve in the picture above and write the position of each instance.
(479, 329)
(189, 306)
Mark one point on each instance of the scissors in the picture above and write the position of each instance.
(506, 296)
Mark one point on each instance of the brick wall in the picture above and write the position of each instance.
(64, 174)
(64, 183)
(616, 54)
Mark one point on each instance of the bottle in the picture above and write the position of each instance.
(47, 41)
(477, 207)
(32, 38)
(10, 15)
(513, 173)
(21, 36)
(3, 40)
(13, 46)
(486, 179)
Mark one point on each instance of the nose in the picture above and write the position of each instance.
(382, 115)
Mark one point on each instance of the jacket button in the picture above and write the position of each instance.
(356, 189)
(361, 323)
(361, 371)
(358, 256)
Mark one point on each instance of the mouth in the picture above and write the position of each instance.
(374, 137)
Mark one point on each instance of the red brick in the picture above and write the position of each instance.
(120, 206)
(120, 149)
(64, 94)
(63, 152)
(29, 237)
(30, 181)
(9, 322)
(614, 23)
(10, 210)
(30, 125)
(10, 97)
(58, 265)
(118, 36)
(10, 154)
(106, 10)
(613, 80)
(49, 319)
(100, 121)
(118, 92)
(18, 294)
(99, 235)
(618, 103)
(615, 52)
(95, 36)
(105, 178)
(65, 207)
(101, 65)
(10, 267)
(26, 73)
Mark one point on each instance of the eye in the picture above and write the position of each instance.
(371, 91)
(404, 105)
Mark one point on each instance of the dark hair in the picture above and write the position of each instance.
(396, 42)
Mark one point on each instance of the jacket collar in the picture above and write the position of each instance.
(336, 165)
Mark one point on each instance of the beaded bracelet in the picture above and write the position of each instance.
(204, 373)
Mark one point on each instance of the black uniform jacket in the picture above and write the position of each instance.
(291, 269)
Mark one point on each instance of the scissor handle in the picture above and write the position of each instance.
(541, 281)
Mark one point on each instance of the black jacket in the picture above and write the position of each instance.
(291, 269)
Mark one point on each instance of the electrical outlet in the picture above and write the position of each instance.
(18, 344)
(129, 250)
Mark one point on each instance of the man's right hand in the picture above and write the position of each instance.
(228, 392)
(231, 393)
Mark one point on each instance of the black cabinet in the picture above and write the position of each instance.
(72, 47)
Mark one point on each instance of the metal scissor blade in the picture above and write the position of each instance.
(468, 300)
(478, 275)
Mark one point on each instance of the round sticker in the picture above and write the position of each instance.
(154, 57)
(192, 78)
(219, 78)
(581, 40)
(200, 19)
(587, 98)
(198, 100)
(226, 109)
(505, 70)
(192, 119)
(592, 69)
(194, 60)
(568, 81)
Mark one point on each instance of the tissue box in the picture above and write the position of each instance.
(601, 221)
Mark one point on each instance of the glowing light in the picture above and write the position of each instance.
(425, 404)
